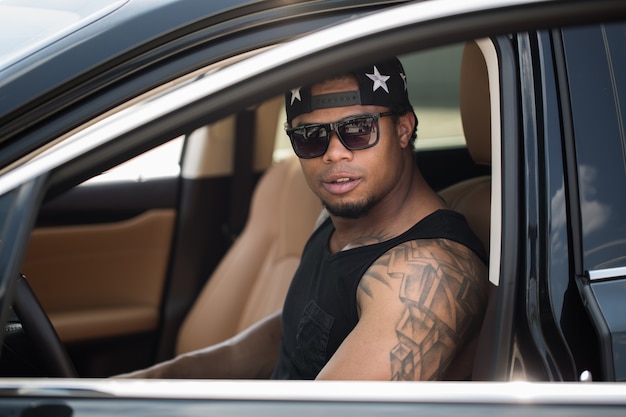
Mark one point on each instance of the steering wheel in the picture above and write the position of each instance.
(40, 332)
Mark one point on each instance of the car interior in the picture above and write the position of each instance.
(131, 272)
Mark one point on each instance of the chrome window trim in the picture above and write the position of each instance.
(142, 113)
(513, 393)
(607, 273)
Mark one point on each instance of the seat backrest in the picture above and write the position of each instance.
(252, 279)
(472, 197)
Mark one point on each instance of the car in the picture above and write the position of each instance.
(106, 268)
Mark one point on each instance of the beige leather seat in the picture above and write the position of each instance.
(251, 281)
(472, 197)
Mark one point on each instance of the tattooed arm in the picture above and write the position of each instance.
(420, 305)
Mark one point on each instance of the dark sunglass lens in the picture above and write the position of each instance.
(359, 133)
(309, 141)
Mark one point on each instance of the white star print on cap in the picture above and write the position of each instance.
(295, 95)
(403, 76)
(380, 81)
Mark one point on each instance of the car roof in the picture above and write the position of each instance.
(75, 37)
(118, 39)
(29, 25)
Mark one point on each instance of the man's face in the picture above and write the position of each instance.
(351, 183)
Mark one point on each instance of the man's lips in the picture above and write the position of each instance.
(340, 184)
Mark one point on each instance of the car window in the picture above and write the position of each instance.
(160, 162)
(433, 88)
(597, 73)
(433, 78)
(597, 76)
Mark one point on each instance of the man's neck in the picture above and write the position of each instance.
(388, 219)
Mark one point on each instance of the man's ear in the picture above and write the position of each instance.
(404, 127)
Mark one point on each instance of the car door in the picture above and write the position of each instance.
(596, 74)
(98, 260)
(569, 322)
(230, 101)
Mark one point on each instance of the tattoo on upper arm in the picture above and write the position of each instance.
(443, 289)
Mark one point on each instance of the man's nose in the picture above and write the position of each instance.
(336, 149)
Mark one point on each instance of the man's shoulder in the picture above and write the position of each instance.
(425, 263)
(451, 226)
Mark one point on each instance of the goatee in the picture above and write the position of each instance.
(350, 210)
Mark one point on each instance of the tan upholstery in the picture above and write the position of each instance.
(472, 197)
(251, 281)
(475, 103)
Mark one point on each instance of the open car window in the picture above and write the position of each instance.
(433, 87)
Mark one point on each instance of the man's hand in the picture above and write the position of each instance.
(251, 354)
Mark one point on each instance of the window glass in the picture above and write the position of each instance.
(555, 181)
(160, 162)
(433, 77)
(597, 76)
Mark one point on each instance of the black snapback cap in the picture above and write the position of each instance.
(381, 84)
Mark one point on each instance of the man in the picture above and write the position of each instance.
(391, 286)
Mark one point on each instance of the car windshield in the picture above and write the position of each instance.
(28, 25)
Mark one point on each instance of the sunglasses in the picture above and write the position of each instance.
(355, 133)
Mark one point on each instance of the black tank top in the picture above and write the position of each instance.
(320, 309)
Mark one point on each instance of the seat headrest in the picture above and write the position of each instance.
(475, 103)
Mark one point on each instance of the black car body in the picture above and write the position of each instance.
(133, 75)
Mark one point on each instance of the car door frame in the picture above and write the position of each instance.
(241, 91)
